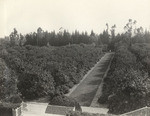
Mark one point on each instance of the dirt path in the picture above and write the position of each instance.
(85, 91)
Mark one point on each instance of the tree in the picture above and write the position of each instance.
(129, 30)
(139, 35)
(92, 33)
(104, 37)
(2, 69)
(39, 36)
(22, 40)
(14, 38)
(113, 31)
(33, 85)
(112, 38)
(107, 27)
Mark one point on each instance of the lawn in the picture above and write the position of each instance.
(86, 90)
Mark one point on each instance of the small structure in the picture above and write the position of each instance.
(93, 110)
(58, 110)
(9, 109)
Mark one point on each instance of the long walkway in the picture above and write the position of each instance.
(86, 90)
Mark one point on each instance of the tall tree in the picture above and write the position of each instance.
(129, 30)
(14, 38)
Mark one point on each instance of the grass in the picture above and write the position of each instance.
(87, 89)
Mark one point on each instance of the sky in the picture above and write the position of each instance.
(83, 15)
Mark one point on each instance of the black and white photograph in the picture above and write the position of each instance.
(74, 57)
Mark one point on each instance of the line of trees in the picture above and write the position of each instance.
(108, 37)
(127, 85)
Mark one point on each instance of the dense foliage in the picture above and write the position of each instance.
(49, 70)
(2, 68)
(32, 67)
(8, 88)
(62, 38)
(127, 85)
(142, 52)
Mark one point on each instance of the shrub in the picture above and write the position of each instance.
(63, 101)
(34, 86)
(13, 99)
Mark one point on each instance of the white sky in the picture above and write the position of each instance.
(27, 15)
